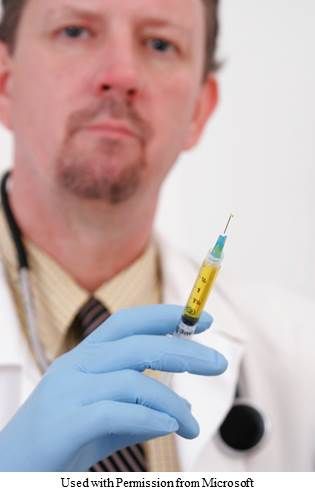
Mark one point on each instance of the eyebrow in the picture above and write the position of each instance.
(54, 14)
(155, 22)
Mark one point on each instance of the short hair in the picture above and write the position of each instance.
(12, 11)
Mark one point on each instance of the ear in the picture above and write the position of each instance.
(205, 105)
(5, 86)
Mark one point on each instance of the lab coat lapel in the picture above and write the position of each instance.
(10, 352)
(211, 397)
(18, 371)
(10, 356)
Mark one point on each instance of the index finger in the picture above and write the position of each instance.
(150, 319)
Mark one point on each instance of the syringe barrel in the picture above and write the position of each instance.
(198, 296)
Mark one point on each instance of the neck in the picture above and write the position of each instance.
(90, 240)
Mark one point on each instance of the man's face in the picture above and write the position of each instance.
(104, 94)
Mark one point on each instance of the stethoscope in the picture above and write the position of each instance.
(243, 429)
(24, 279)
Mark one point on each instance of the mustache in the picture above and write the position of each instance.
(113, 107)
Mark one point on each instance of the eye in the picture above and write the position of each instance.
(161, 45)
(75, 32)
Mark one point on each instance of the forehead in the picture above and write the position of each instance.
(187, 13)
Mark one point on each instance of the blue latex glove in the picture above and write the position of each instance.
(94, 399)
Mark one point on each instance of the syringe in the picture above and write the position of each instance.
(202, 287)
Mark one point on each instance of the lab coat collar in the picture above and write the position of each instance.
(211, 397)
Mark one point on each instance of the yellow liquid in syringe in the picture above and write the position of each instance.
(200, 292)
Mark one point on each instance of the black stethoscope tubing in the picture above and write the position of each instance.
(15, 231)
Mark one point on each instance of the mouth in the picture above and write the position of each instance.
(112, 129)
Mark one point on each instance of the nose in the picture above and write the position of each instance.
(129, 90)
(118, 68)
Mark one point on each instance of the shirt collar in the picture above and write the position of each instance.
(62, 297)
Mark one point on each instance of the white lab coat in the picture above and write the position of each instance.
(269, 335)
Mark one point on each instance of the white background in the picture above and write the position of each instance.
(256, 158)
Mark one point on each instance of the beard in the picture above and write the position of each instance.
(96, 167)
(109, 171)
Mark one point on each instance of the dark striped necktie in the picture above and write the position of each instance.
(91, 315)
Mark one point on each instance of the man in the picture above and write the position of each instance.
(102, 96)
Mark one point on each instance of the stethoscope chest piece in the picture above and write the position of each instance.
(244, 427)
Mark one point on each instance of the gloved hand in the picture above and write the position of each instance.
(94, 399)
